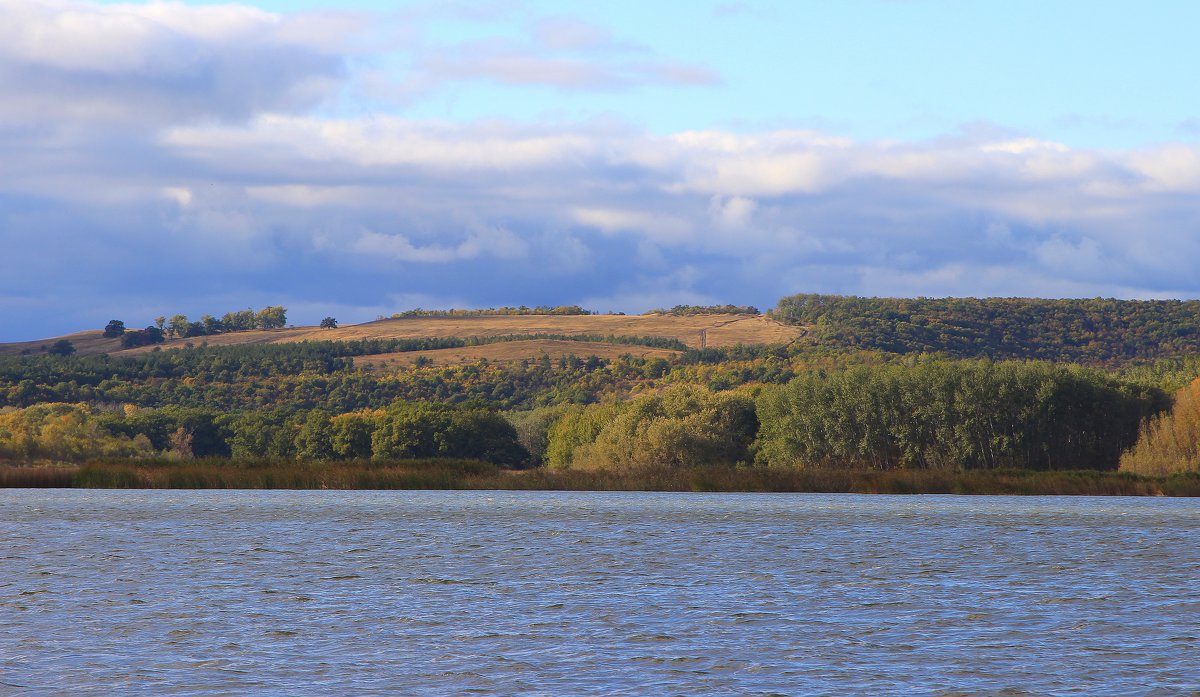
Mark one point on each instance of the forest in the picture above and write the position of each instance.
(1089, 331)
(874, 385)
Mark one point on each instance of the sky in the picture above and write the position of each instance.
(357, 159)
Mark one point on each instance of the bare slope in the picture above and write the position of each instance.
(698, 331)
(86, 343)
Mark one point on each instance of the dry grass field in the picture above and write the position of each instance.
(698, 331)
(88, 343)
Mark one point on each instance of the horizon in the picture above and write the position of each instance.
(359, 159)
(762, 311)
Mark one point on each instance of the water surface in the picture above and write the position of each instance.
(374, 593)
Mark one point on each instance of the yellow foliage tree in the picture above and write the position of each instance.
(66, 432)
(1169, 443)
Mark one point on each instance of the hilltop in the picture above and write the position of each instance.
(1098, 332)
(692, 331)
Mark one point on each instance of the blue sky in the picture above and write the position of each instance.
(1088, 74)
(363, 158)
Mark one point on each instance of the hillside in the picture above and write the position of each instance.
(1098, 332)
(837, 387)
(696, 331)
(1090, 331)
(509, 351)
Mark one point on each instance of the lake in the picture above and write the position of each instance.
(436, 593)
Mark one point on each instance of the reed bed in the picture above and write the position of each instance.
(250, 474)
(470, 474)
(977, 482)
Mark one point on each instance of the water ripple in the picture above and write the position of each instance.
(377, 593)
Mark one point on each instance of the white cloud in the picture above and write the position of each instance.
(179, 194)
(384, 141)
(1170, 167)
(1021, 146)
(76, 63)
(732, 212)
(494, 242)
(659, 227)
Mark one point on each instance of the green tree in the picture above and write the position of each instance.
(481, 434)
(351, 435)
(315, 439)
(178, 326)
(416, 430)
(272, 317)
(62, 347)
(239, 321)
(407, 431)
(212, 325)
(329, 323)
(114, 328)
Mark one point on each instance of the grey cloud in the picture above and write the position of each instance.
(354, 212)
(65, 61)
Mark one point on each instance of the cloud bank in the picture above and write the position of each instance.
(163, 158)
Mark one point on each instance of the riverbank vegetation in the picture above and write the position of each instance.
(449, 474)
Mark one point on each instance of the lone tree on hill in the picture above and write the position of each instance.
(62, 347)
(114, 328)
(329, 323)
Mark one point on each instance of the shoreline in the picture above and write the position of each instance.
(474, 475)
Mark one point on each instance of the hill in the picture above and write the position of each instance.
(1090, 331)
(827, 382)
(695, 331)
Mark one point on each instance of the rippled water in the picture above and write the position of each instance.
(363, 593)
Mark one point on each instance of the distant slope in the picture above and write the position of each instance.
(86, 343)
(697, 331)
(1092, 331)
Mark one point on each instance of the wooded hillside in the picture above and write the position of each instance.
(1090, 331)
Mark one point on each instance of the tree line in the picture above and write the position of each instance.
(402, 431)
(923, 414)
(931, 415)
(493, 311)
(305, 375)
(954, 414)
(179, 326)
(691, 310)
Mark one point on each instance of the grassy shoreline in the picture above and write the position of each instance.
(468, 474)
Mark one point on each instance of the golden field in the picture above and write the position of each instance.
(697, 331)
